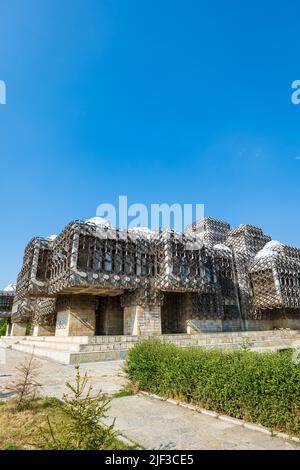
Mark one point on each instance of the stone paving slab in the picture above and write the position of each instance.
(158, 424)
(105, 376)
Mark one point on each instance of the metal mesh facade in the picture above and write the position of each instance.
(6, 303)
(221, 269)
(275, 278)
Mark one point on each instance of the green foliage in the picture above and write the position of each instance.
(3, 324)
(28, 328)
(126, 391)
(259, 387)
(11, 447)
(25, 384)
(82, 428)
(246, 344)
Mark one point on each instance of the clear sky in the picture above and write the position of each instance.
(161, 100)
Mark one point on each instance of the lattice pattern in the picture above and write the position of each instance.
(34, 274)
(23, 310)
(210, 230)
(275, 277)
(245, 242)
(44, 312)
(6, 303)
(224, 270)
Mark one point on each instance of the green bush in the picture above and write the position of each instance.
(259, 387)
(3, 324)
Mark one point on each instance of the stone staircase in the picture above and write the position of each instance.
(79, 349)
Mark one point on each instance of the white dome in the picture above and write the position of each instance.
(270, 250)
(273, 245)
(10, 288)
(143, 232)
(140, 229)
(99, 221)
(52, 237)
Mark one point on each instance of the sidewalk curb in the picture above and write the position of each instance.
(229, 419)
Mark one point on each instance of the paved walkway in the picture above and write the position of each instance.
(105, 376)
(153, 423)
(158, 424)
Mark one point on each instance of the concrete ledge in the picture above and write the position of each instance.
(76, 358)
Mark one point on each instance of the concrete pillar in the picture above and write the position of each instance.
(8, 329)
(39, 330)
(142, 320)
(76, 317)
(18, 329)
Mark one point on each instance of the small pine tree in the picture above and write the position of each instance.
(83, 429)
(25, 385)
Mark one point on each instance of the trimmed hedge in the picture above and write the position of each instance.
(258, 387)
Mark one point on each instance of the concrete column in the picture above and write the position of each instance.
(142, 320)
(18, 329)
(45, 330)
(77, 318)
(8, 329)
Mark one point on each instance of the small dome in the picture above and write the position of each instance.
(10, 288)
(273, 245)
(99, 221)
(270, 250)
(52, 237)
(140, 229)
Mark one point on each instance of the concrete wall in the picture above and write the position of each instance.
(142, 320)
(18, 329)
(176, 310)
(45, 330)
(205, 325)
(109, 316)
(77, 317)
(232, 325)
(260, 325)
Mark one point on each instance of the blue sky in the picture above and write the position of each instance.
(162, 101)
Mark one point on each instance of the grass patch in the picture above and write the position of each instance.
(19, 429)
(76, 422)
(126, 391)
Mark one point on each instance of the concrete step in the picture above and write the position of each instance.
(63, 357)
(6, 342)
(57, 339)
(71, 350)
(271, 348)
(113, 339)
(83, 357)
(106, 346)
(50, 345)
(70, 357)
